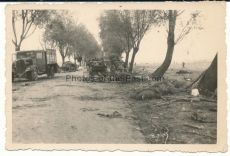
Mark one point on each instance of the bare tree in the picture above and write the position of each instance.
(29, 20)
(168, 20)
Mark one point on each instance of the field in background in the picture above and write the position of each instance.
(199, 66)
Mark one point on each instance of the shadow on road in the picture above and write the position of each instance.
(40, 78)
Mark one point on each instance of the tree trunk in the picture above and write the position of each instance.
(63, 60)
(17, 48)
(80, 63)
(208, 82)
(135, 50)
(74, 61)
(126, 59)
(171, 43)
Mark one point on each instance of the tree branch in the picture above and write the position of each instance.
(14, 30)
(178, 14)
(30, 33)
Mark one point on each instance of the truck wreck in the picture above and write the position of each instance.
(30, 64)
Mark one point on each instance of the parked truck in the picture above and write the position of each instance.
(30, 64)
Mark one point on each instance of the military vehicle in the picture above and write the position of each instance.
(104, 69)
(30, 64)
(69, 66)
(97, 68)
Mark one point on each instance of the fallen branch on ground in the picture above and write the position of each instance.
(193, 126)
(163, 104)
(185, 99)
(167, 135)
(207, 100)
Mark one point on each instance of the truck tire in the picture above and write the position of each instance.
(48, 73)
(34, 75)
(12, 76)
(52, 72)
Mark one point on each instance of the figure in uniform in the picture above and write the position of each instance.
(183, 64)
(87, 63)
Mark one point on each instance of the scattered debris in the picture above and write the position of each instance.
(95, 97)
(161, 137)
(184, 72)
(147, 94)
(193, 126)
(195, 116)
(89, 109)
(183, 109)
(41, 99)
(195, 92)
(15, 89)
(74, 127)
(185, 99)
(187, 79)
(114, 115)
(163, 104)
(128, 117)
(29, 106)
(27, 84)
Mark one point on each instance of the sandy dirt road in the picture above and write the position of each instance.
(60, 111)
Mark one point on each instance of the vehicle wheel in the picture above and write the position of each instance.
(52, 72)
(59, 70)
(12, 76)
(75, 69)
(34, 75)
(48, 73)
(71, 68)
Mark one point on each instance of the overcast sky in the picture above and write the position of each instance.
(199, 45)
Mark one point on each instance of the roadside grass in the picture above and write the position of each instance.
(162, 121)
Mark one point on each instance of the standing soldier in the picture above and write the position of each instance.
(87, 63)
(183, 64)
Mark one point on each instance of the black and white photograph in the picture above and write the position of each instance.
(148, 76)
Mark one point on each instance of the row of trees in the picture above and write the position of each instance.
(60, 31)
(123, 31)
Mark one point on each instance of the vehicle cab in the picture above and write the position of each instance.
(28, 64)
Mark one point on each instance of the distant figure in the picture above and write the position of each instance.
(183, 64)
(87, 63)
